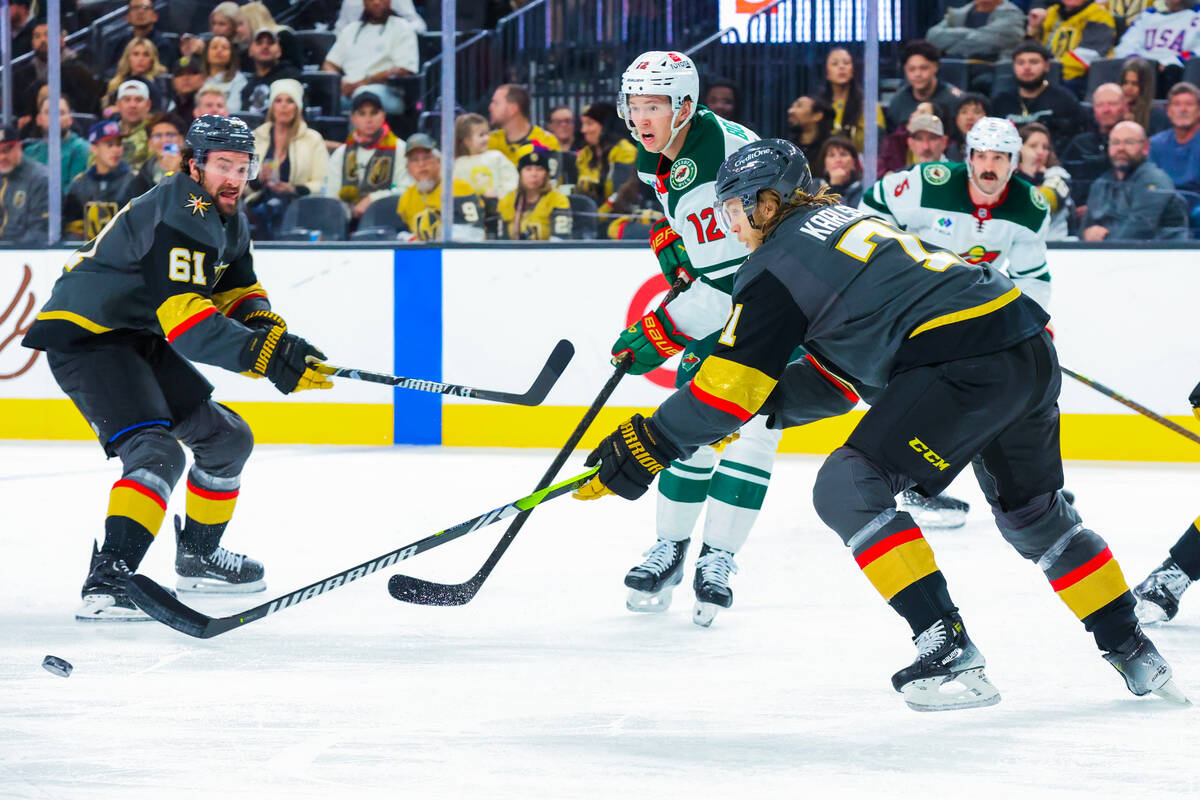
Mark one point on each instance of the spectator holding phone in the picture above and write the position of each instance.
(166, 139)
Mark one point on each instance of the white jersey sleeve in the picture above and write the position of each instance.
(897, 199)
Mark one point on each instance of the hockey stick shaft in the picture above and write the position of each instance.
(1125, 401)
(553, 368)
(167, 609)
(417, 590)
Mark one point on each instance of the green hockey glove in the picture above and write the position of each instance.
(649, 342)
(672, 255)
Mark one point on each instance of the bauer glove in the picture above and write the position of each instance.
(285, 361)
(649, 342)
(629, 458)
(1194, 397)
(672, 255)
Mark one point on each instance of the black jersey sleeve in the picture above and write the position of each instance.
(237, 293)
(763, 330)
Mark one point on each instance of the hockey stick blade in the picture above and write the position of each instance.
(1125, 401)
(169, 610)
(560, 356)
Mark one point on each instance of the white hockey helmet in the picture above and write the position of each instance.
(660, 72)
(994, 133)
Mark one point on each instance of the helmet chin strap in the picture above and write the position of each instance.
(676, 129)
(1012, 168)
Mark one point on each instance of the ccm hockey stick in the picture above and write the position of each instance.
(417, 590)
(1125, 401)
(167, 609)
(559, 358)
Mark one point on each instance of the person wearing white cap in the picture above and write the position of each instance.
(927, 138)
(293, 155)
(133, 105)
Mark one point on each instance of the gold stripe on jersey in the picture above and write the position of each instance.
(732, 387)
(180, 311)
(76, 319)
(968, 313)
(227, 301)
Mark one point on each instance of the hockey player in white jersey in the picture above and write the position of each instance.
(680, 146)
(985, 212)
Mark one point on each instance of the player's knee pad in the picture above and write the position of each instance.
(1042, 526)
(851, 492)
(153, 457)
(220, 439)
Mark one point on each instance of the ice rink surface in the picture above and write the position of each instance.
(544, 685)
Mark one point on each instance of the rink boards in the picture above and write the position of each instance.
(488, 317)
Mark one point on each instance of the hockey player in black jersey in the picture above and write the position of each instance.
(170, 279)
(954, 362)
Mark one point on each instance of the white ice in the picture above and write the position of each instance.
(544, 685)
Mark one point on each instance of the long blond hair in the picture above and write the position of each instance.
(256, 16)
(825, 196)
(123, 70)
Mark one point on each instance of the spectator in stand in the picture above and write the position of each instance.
(367, 167)
(1036, 99)
(367, 53)
(294, 160)
(223, 21)
(1168, 33)
(79, 85)
(565, 127)
(920, 61)
(1134, 200)
(837, 164)
(811, 122)
(352, 11)
(1087, 154)
(1077, 32)
(74, 148)
(23, 193)
(20, 24)
(421, 204)
(1124, 12)
(1138, 79)
(222, 67)
(254, 17)
(187, 77)
(133, 106)
(1039, 165)
(971, 108)
(142, 20)
(266, 54)
(721, 98)
(211, 100)
(166, 140)
(488, 172)
(139, 61)
(608, 156)
(983, 29)
(920, 140)
(844, 95)
(1177, 150)
(108, 184)
(535, 211)
(513, 131)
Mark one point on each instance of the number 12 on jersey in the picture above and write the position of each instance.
(706, 231)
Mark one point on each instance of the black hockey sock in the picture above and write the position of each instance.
(1186, 552)
(126, 540)
(1112, 624)
(924, 602)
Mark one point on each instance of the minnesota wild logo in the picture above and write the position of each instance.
(937, 174)
(197, 204)
(689, 362)
(683, 173)
(1038, 198)
(979, 255)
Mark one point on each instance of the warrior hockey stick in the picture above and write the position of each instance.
(559, 358)
(1125, 401)
(416, 590)
(167, 609)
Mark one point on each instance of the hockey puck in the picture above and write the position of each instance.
(59, 666)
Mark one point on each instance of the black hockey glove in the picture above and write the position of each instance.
(629, 458)
(284, 359)
(1194, 397)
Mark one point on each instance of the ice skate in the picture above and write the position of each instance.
(948, 673)
(1145, 670)
(219, 572)
(942, 511)
(651, 582)
(1158, 596)
(104, 596)
(712, 584)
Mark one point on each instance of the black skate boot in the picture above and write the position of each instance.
(948, 673)
(1144, 669)
(942, 511)
(1158, 596)
(219, 572)
(651, 582)
(105, 598)
(712, 584)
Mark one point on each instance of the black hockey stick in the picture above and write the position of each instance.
(559, 358)
(417, 590)
(167, 609)
(1125, 401)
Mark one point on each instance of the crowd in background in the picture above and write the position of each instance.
(1100, 94)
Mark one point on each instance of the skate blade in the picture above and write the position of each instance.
(641, 602)
(1172, 693)
(211, 586)
(102, 608)
(968, 689)
(1150, 613)
(703, 614)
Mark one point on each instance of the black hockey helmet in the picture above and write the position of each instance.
(212, 133)
(766, 164)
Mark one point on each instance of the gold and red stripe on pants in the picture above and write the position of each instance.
(1092, 585)
(210, 507)
(134, 501)
(896, 562)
